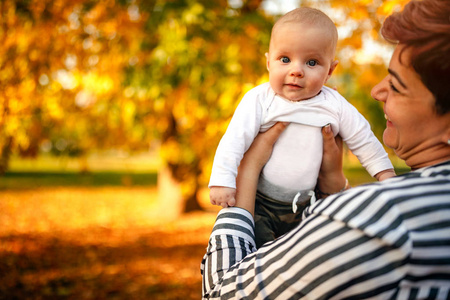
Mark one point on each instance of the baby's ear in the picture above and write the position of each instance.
(333, 66)
(267, 61)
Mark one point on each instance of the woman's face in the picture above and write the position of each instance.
(413, 128)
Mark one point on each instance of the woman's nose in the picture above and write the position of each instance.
(380, 91)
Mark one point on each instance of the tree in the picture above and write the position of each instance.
(81, 75)
(62, 68)
(201, 55)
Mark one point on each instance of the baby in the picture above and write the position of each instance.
(300, 60)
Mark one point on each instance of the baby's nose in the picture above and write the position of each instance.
(297, 70)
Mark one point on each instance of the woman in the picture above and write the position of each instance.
(386, 240)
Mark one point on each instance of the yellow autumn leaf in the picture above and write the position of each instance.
(12, 125)
(53, 109)
(359, 13)
(128, 113)
(96, 83)
(390, 6)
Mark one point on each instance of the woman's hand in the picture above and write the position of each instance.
(331, 176)
(261, 149)
(252, 163)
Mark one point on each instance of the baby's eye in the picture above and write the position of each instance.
(285, 59)
(312, 62)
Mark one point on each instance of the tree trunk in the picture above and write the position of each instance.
(5, 155)
(180, 176)
(191, 197)
(170, 191)
(191, 202)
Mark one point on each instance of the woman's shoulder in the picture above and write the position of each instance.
(380, 207)
(438, 170)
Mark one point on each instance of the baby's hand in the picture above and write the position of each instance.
(222, 196)
(383, 175)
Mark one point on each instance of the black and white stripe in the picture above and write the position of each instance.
(388, 240)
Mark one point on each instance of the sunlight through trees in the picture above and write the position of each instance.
(82, 75)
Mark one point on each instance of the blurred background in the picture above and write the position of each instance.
(110, 114)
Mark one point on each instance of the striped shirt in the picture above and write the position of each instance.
(385, 240)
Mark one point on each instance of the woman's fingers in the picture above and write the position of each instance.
(331, 176)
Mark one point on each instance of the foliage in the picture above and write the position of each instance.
(80, 75)
(61, 73)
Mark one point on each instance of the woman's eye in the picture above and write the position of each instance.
(311, 62)
(393, 88)
(285, 59)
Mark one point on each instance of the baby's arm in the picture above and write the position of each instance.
(383, 175)
(357, 134)
(241, 131)
(222, 196)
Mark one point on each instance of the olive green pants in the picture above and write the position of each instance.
(274, 218)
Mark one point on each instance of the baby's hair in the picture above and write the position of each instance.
(308, 15)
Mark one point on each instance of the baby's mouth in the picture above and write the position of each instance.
(293, 85)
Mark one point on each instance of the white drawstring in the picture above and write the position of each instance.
(313, 197)
(294, 202)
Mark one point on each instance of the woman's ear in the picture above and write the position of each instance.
(267, 61)
(447, 136)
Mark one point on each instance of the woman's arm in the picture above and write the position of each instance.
(232, 238)
(251, 165)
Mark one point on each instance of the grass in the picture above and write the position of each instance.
(96, 170)
(109, 161)
(16, 180)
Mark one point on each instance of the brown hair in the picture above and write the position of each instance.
(425, 27)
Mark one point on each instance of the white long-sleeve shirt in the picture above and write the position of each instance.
(297, 155)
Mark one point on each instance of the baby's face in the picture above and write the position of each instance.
(300, 60)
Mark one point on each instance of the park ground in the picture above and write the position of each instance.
(103, 243)
(98, 235)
